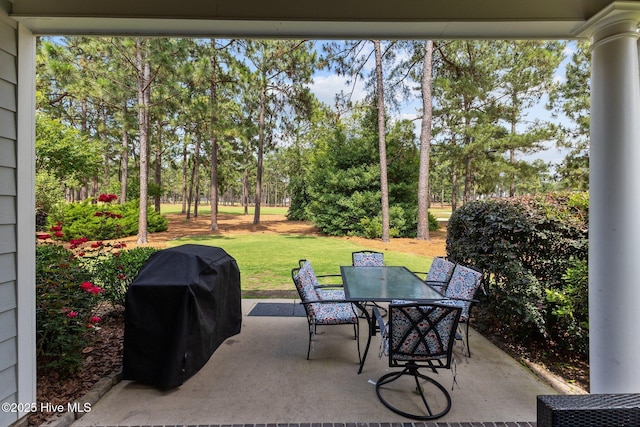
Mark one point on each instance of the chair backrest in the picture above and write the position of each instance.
(420, 332)
(463, 285)
(441, 270)
(367, 259)
(305, 280)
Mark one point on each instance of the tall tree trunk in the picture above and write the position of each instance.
(124, 157)
(144, 101)
(425, 144)
(466, 197)
(184, 178)
(382, 143)
(245, 192)
(275, 190)
(261, 142)
(214, 139)
(194, 171)
(158, 171)
(196, 198)
(454, 189)
(512, 162)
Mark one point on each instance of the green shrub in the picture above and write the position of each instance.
(569, 306)
(115, 271)
(65, 299)
(105, 220)
(526, 245)
(433, 222)
(401, 224)
(49, 197)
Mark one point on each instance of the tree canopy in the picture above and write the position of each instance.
(237, 121)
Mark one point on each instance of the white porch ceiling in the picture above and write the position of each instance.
(437, 19)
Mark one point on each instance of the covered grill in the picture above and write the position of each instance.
(183, 304)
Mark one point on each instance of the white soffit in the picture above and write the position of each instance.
(339, 19)
(301, 29)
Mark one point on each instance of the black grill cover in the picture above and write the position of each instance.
(183, 304)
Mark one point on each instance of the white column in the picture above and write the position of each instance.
(26, 264)
(614, 219)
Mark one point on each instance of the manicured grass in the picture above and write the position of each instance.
(439, 212)
(266, 260)
(176, 208)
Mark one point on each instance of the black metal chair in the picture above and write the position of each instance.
(321, 306)
(418, 335)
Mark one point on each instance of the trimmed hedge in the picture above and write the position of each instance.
(528, 247)
(104, 221)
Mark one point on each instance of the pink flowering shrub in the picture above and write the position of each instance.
(65, 300)
(104, 219)
(115, 271)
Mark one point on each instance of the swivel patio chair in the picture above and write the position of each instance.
(320, 308)
(460, 292)
(418, 335)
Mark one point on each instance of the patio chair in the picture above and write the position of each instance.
(418, 335)
(319, 307)
(324, 290)
(367, 259)
(460, 292)
(439, 273)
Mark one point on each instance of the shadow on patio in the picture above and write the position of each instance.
(261, 376)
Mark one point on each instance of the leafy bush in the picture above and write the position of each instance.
(570, 306)
(115, 271)
(526, 245)
(106, 220)
(65, 299)
(401, 224)
(433, 222)
(49, 197)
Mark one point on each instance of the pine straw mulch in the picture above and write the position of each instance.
(104, 356)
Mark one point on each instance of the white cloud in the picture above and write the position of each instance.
(325, 87)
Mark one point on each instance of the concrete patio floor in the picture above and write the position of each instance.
(261, 376)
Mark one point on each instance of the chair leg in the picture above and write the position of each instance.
(467, 338)
(431, 412)
(356, 327)
(311, 330)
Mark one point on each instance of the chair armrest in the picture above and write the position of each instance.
(329, 285)
(462, 299)
(435, 283)
(327, 301)
(438, 286)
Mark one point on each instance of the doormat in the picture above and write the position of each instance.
(278, 309)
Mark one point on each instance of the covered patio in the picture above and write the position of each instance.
(611, 26)
(261, 376)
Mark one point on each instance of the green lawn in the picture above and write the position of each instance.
(176, 208)
(266, 260)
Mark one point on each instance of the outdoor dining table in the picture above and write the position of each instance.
(383, 284)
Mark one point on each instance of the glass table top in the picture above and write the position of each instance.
(385, 284)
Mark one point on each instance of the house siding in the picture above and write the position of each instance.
(8, 216)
